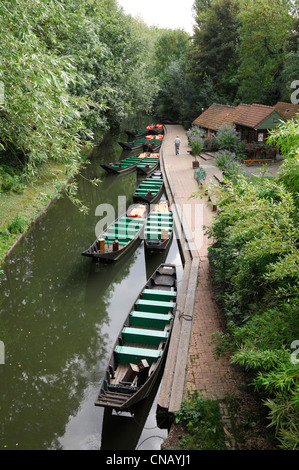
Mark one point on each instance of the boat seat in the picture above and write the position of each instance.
(127, 225)
(160, 220)
(158, 294)
(129, 354)
(133, 225)
(143, 336)
(156, 230)
(153, 185)
(151, 182)
(149, 319)
(120, 242)
(118, 236)
(154, 306)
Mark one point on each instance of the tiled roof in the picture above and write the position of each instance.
(254, 115)
(216, 115)
(287, 110)
(249, 115)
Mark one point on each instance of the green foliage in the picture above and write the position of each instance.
(244, 51)
(255, 263)
(70, 70)
(11, 179)
(265, 26)
(18, 225)
(227, 138)
(215, 46)
(202, 420)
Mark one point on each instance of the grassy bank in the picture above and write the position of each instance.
(19, 210)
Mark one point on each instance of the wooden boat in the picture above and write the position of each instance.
(126, 165)
(150, 189)
(149, 143)
(123, 166)
(148, 165)
(142, 344)
(120, 236)
(148, 130)
(158, 229)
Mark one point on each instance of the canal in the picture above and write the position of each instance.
(60, 314)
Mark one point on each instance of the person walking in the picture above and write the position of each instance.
(177, 142)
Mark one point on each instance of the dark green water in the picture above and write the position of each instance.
(59, 317)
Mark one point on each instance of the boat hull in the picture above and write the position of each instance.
(153, 184)
(118, 170)
(132, 370)
(158, 230)
(132, 135)
(141, 144)
(120, 236)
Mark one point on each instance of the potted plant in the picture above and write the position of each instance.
(196, 148)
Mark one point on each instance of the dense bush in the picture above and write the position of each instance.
(227, 138)
(11, 179)
(255, 261)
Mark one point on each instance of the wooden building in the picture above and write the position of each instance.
(218, 115)
(253, 122)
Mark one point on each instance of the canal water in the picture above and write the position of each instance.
(60, 314)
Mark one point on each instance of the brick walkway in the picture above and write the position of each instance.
(212, 378)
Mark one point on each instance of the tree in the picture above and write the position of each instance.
(39, 119)
(214, 48)
(70, 70)
(169, 63)
(265, 26)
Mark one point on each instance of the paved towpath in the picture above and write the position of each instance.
(212, 378)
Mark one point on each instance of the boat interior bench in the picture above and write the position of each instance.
(154, 306)
(157, 235)
(159, 294)
(130, 354)
(158, 223)
(143, 336)
(160, 215)
(149, 319)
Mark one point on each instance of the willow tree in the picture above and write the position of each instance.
(69, 70)
(39, 118)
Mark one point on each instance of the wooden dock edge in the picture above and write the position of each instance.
(174, 377)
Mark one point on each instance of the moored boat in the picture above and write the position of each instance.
(148, 165)
(142, 344)
(123, 166)
(149, 143)
(150, 189)
(120, 236)
(126, 165)
(148, 130)
(158, 228)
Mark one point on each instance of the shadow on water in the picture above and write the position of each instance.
(59, 316)
(127, 429)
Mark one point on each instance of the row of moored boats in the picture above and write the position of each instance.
(142, 343)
